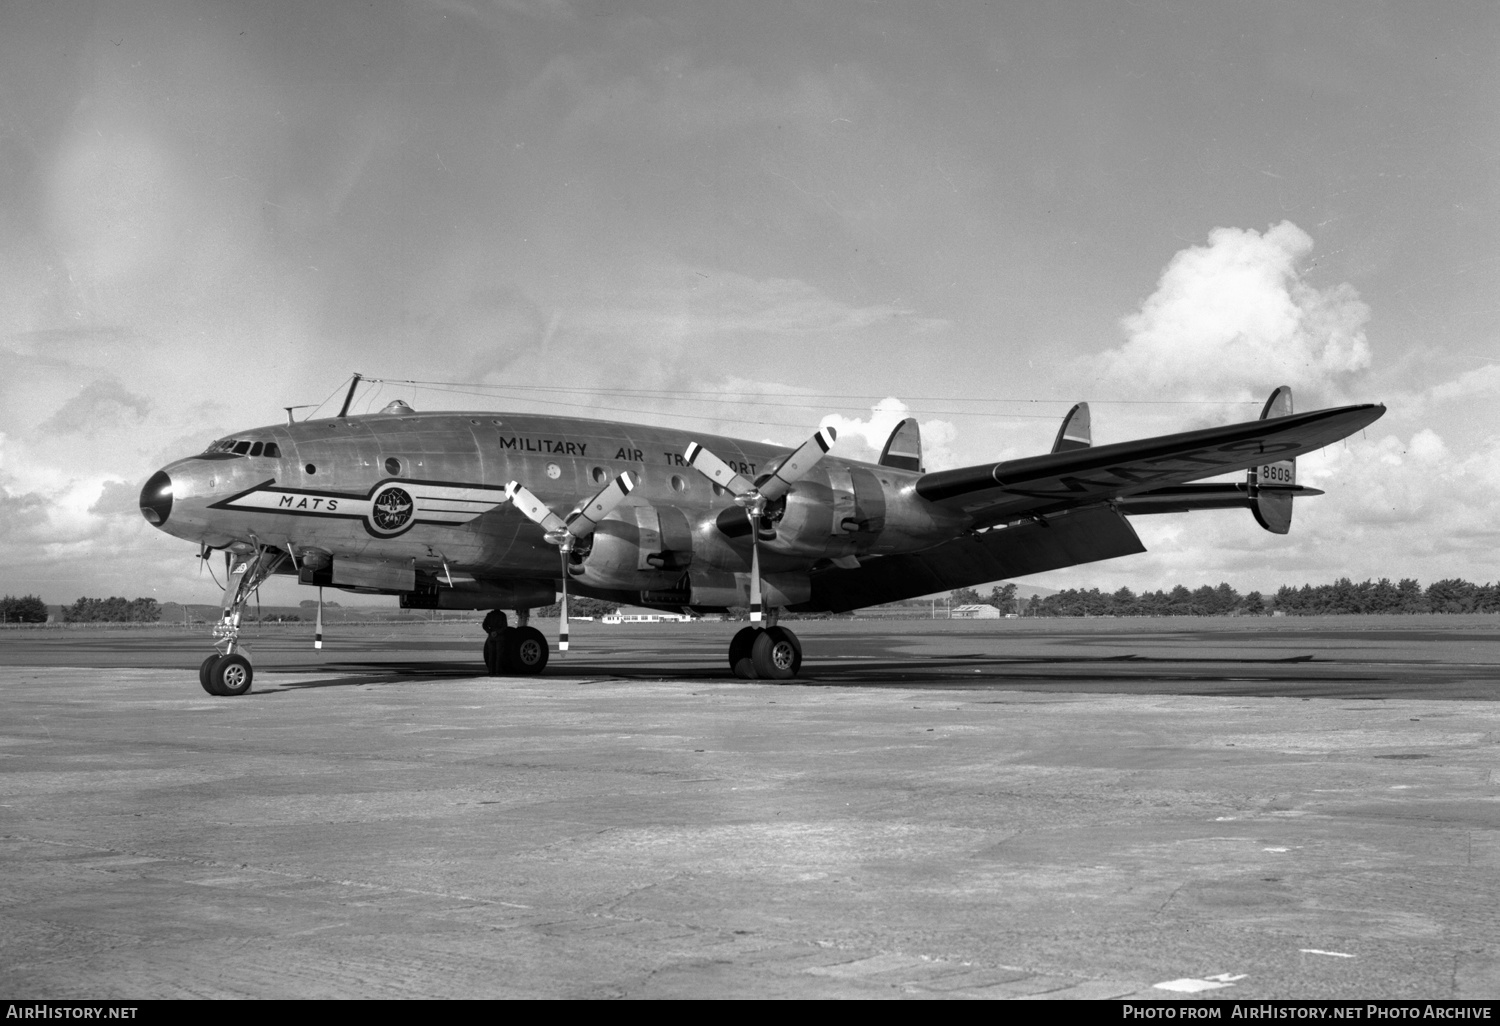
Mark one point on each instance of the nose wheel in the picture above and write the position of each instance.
(765, 653)
(226, 676)
(228, 673)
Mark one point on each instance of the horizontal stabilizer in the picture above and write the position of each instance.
(1189, 497)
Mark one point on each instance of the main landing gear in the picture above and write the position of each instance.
(765, 653)
(513, 651)
(228, 673)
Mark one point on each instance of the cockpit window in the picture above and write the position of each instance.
(244, 447)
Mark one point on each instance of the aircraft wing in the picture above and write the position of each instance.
(1030, 547)
(996, 492)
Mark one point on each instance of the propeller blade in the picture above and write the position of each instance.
(796, 466)
(716, 470)
(535, 509)
(597, 508)
(563, 533)
(318, 629)
(754, 568)
(562, 614)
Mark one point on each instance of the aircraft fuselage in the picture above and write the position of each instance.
(423, 495)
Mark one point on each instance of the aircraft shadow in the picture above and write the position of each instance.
(961, 674)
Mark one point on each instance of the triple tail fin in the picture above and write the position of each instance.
(1271, 485)
(903, 450)
(1074, 432)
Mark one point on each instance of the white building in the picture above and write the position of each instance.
(979, 612)
(639, 615)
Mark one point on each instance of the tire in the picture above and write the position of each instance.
(526, 651)
(208, 664)
(777, 654)
(231, 676)
(740, 660)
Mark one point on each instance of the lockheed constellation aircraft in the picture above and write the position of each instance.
(503, 511)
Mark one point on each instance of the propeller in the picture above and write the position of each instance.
(563, 533)
(753, 497)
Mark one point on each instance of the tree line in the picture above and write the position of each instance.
(112, 610)
(1450, 595)
(26, 609)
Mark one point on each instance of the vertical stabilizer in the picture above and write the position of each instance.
(903, 450)
(1074, 433)
(1273, 508)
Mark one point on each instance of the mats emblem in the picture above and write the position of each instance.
(391, 509)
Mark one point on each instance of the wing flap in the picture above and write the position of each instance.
(994, 492)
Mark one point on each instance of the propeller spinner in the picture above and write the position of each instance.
(753, 497)
(564, 532)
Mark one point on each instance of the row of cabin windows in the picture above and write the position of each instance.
(242, 447)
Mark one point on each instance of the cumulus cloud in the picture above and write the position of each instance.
(98, 406)
(1231, 319)
(862, 439)
(117, 498)
(19, 514)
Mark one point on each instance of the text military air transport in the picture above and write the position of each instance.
(504, 511)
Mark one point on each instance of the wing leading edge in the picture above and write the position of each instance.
(995, 492)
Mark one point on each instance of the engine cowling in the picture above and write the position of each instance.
(635, 547)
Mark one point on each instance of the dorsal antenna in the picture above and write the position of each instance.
(353, 384)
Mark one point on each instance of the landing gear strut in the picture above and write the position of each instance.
(228, 673)
(521, 651)
(765, 653)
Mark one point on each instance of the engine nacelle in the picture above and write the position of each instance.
(635, 547)
(837, 511)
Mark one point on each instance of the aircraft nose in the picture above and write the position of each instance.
(156, 498)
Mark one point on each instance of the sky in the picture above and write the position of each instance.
(765, 217)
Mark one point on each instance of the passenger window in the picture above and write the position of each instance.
(273, 450)
(256, 448)
(243, 448)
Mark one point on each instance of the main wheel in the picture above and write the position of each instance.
(231, 675)
(739, 652)
(777, 654)
(526, 651)
(208, 664)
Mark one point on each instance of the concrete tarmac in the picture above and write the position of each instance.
(1104, 809)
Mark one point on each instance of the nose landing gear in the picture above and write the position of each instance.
(228, 672)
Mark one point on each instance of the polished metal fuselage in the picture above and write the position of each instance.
(317, 498)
